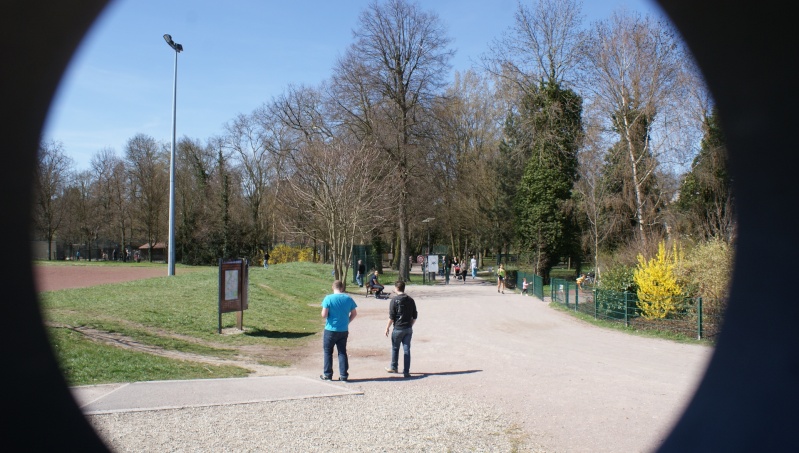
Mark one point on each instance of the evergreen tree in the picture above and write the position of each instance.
(545, 224)
(706, 199)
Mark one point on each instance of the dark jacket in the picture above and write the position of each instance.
(402, 310)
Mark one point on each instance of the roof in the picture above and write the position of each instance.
(159, 245)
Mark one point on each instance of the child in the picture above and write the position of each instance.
(580, 281)
(524, 287)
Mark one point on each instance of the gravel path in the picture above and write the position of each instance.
(491, 372)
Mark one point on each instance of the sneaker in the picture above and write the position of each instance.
(325, 378)
(343, 379)
(406, 375)
(390, 370)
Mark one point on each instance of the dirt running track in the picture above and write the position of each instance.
(61, 276)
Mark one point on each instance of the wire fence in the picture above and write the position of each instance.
(694, 317)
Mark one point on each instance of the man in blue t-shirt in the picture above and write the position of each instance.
(339, 310)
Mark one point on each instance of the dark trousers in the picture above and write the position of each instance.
(339, 340)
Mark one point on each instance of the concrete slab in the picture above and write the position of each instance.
(159, 395)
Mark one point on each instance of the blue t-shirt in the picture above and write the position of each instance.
(339, 307)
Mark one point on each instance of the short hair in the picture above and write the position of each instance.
(339, 285)
(400, 285)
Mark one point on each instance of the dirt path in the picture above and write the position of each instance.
(571, 386)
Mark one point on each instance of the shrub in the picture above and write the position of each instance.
(659, 294)
(288, 254)
(708, 268)
(619, 278)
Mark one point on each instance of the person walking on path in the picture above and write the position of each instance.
(339, 310)
(360, 274)
(473, 265)
(447, 270)
(501, 279)
(402, 315)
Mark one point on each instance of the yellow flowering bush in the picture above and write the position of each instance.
(659, 293)
(288, 254)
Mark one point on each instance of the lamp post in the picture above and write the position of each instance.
(171, 254)
(426, 260)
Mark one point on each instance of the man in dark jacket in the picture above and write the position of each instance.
(402, 315)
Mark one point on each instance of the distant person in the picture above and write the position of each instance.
(473, 266)
(447, 270)
(77, 255)
(338, 309)
(374, 284)
(580, 281)
(402, 315)
(266, 260)
(360, 274)
(524, 287)
(464, 273)
(501, 279)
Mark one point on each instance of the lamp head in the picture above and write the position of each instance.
(173, 44)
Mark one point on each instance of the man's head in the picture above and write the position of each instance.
(375, 272)
(399, 285)
(359, 261)
(338, 286)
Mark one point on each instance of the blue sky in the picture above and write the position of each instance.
(237, 55)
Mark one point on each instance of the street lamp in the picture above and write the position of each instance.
(426, 260)
(171, 254)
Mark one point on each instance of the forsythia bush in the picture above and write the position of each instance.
(659, 293)
(287, 254)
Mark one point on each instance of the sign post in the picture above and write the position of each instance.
(233, 282)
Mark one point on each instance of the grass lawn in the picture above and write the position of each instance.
(179, 313)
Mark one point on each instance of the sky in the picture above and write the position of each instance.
(238, 55)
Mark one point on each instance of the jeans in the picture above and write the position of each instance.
(474, 272)
(359, 280)
(401, 336)
(339, 340)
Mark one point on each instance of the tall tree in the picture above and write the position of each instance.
(148, 169)
(464, 138)
(545, 222)
(53, 172)
(633, 66)
(332, 185)
(247, 140)
(706, 197)
(386, 83)
(540, 46)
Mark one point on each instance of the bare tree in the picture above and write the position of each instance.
(633, 66)
(248, 141)
(385, 84)
(147, 164)
(53, 173)
(333, 186)
(540, 46)
(465, 136)
(593, 199)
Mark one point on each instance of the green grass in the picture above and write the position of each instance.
(85, 362)
(615, 325)
(179, 313)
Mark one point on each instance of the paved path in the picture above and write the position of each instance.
(570, 386)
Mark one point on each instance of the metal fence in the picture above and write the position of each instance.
(535, 284)
(694, 318)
